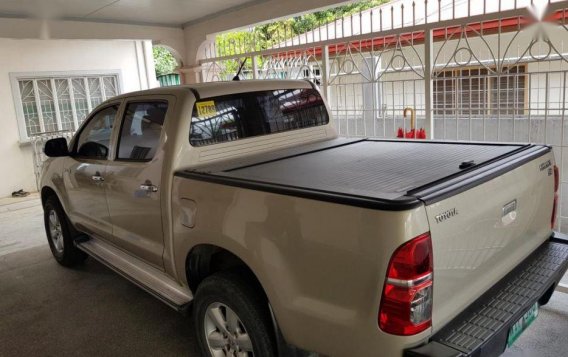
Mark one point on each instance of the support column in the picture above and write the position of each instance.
(254, 67)
(141, 64)
(191, 74)
(325, 72)
(149, 64)
(428, 83)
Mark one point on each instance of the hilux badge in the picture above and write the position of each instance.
(545, 165)
(446, 215)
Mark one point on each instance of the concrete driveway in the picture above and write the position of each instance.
(48, 310)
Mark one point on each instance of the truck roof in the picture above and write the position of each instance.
(212, 89)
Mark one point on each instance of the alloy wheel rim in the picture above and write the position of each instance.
(225, 333)
(55, 231)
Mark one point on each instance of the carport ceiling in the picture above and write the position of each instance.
(157, 12)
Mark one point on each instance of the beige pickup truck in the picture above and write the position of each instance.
(238, 201)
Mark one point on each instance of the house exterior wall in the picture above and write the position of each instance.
(130, 58)
(358, 97)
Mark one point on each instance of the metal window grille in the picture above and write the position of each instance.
(51, 104)
(472, 92)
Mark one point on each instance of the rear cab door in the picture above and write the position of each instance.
(134, 178)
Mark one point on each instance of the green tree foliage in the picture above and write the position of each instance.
(164, 61)
(228, 44)
(262, 36)
(307, 22)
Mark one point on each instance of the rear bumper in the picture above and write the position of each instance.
(482, 329)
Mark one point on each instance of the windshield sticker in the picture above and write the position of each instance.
(206, 109)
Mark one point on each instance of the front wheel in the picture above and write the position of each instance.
(59, 234)
(232, 318)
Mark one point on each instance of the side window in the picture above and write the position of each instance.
(95, 137)
(141, 130)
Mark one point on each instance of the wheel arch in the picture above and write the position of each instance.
(205, 260)
(47, 192)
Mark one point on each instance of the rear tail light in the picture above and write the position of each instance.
(555, 203)
(406, 303)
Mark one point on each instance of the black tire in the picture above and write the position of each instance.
(62, 247)
(236, 290)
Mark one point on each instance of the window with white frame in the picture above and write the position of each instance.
(476, 92)
(55, 103)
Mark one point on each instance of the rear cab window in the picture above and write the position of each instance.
(141, 130)
(245, 115)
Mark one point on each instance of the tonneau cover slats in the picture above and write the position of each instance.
(382, 170)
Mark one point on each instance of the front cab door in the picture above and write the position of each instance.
(85, 171)
(134, 179)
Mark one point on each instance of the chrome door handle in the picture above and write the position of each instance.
(149, 188)
(97, 178)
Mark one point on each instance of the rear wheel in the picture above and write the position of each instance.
(232, 318)
(59, 234)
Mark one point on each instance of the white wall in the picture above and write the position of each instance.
(16, 28)
(131, 57)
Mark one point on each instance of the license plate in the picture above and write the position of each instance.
(517, 329)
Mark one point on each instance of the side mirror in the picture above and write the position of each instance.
(56, 147)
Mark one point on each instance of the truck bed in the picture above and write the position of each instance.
(386, 174)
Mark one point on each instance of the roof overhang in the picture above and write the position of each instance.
(168, 13)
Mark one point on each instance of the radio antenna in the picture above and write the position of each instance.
(236, 77)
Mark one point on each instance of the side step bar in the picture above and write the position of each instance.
(148, 278)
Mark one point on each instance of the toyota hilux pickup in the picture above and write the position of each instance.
(239, 202)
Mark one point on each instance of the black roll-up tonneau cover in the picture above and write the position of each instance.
(373, 173)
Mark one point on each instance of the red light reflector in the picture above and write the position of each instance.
(554, 208)
(556, 178)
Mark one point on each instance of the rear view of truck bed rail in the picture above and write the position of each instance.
(483, 328)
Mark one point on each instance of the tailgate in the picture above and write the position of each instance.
(491, 323)
(480, 232)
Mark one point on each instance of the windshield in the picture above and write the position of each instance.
(244, 115)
